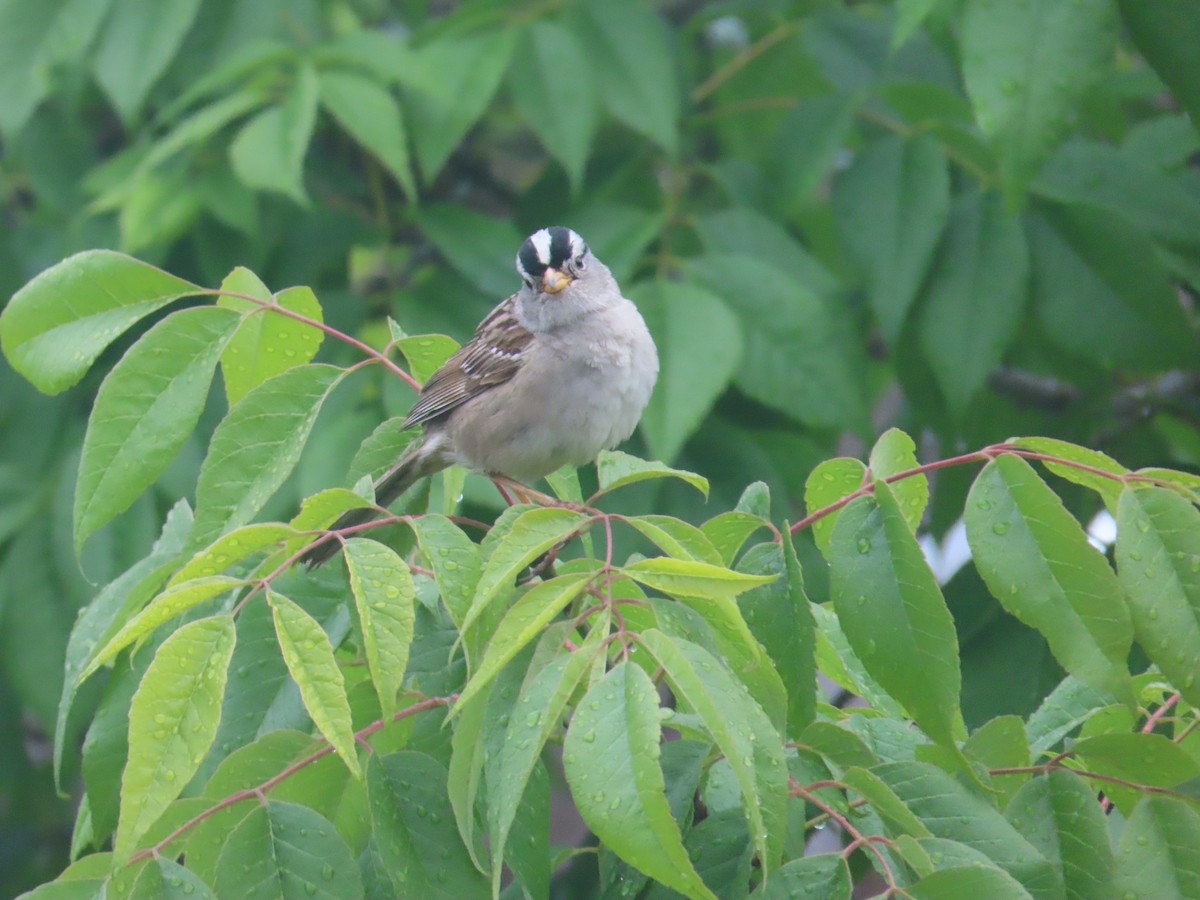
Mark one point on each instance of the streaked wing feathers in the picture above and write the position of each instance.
(490, 358)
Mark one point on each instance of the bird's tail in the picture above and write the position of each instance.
(420, 459)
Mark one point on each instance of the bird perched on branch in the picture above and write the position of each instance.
(559, 371)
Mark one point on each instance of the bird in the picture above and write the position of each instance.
(557, 372)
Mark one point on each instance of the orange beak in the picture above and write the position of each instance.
(554, 280)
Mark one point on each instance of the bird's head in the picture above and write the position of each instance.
(555, 263)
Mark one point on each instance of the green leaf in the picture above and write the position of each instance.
(232, 548)
(1108, 488)
(172, 722)
(163, 607)
(372, 117)
(611, 761)
(1092, 265)
(1167, 33)
(268, 152)
(538, 713)
(54, 327)
(525, 620)
(699, 349)
(384, 594)
(969, 881)
(478, 246)
(554, 90)
(895, 452)
(145, 411)
(728, 531)
(741, 730)
(974, 296)
(448, 84)
(1000, 743)
(893, 612)
(165, 879)
(309, 657)
(415, 831)
(31, 40)
(256, 446)
(1069, 705)
(684, 578)
(826, 484)
(883, 800)
(891, 207)
(807, 144)
(533, 533)
(1157, 857)
(634, 61)
(1158, 564)
(677, 538)
(616, 469)
(953, 811)
(283, 851)
(268, 342)
(1036, 560)
(779, 615)
(426, 353)
(135, 48)
(1027, 71)
(799, 357)
(455, 560)
(381, 449)
(1059, 815)
(909, 16)
(823, 875)
(1139, 758)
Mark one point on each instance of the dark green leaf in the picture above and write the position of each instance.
(699, 347)
(1158, 562)
(634, 62)
(891, 206)
(1157, 857)
(1167, 32)
(555, 91)
(53, 329)
(1060, 816)
(136, 46)
(823, 875)
(1037, 562)
(1027, 69)
(893, 613)
(282, 851)
(415, 830)
(611, 760)
(973, 881)
(974, 296)
(372, 117)
(268, 153)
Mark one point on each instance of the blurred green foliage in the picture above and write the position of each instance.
(967, 218)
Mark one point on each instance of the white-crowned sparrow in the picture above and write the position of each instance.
(559, 371)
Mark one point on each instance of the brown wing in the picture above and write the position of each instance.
(490, 358)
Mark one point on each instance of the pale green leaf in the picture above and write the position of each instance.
(895, 452)
(268, 341)
(172, 722)
(1158, 856)
(232, 548)
(309, 656)
(268, 152)
(616, 469)
(689, 578)
(384, 594)
(828, 483)
(677, 538)
(455, 560)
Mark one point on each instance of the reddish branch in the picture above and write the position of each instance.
(259, 791)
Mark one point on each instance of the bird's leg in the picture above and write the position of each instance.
(514, 491)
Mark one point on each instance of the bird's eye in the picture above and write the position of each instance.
(579, 264)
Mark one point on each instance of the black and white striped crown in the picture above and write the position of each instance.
(548, 248)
